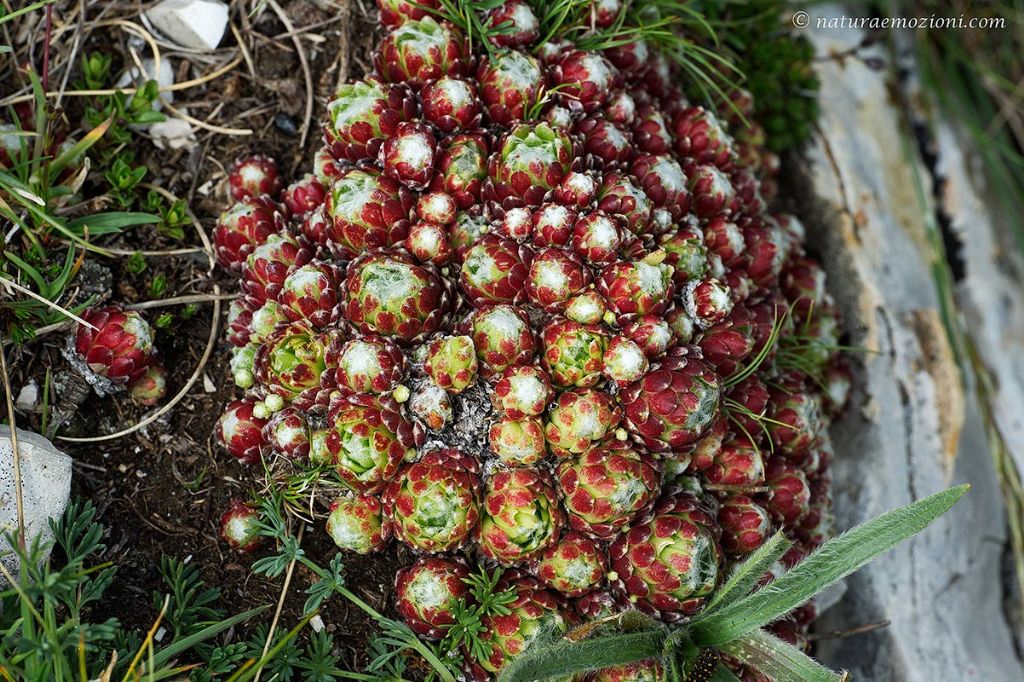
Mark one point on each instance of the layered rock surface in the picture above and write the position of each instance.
(914, 427)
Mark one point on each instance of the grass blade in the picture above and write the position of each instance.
(186, 643)
(778, 660)
(835, 560)
(109, 223)
(79, 148)
(25, 10)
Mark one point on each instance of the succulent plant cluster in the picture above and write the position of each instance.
(533, 309)
(117, 345)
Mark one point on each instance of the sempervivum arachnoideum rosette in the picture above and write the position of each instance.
(366, 439)
(520, 517)
(291, 366)
(433, 501)
(118, 345)
(671, 561)
(530, 299)
(533, 610)
(117, 349)
(427, 592)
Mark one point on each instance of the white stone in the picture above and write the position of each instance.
(174, 133)
(45, 485)
(196, 24)
(28, 397)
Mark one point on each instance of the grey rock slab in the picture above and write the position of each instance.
(912, 429)
(45, 485)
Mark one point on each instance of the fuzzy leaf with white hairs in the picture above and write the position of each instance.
(744, 578)
(778, 660)
(566, 657)
(836, 559)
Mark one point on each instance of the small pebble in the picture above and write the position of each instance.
(28, 397)
(286, 124)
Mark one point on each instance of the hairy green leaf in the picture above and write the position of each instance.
(836, 559)
(744, 578)
(564, 657)
(778, 660)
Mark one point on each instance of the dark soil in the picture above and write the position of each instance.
(161, 491)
